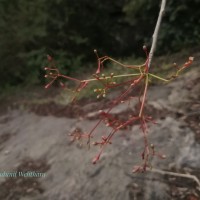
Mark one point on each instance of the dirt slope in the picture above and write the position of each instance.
(32, 141)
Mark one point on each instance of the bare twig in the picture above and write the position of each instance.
(176, 174)
(155, 34)
(153, 47)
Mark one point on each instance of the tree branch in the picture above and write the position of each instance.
(155, 34)
(153, 47)
(176, 174)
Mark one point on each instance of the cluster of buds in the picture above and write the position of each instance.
(101, 92)
(140, 74)
(78, 135)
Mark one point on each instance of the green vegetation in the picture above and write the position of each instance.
(70, 30)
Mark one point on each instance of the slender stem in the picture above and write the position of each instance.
(144, 95)
(123, 65)
(155, 34)
(158, 77)
(70, 78)
(91, 132)
(176, 174)
(109, 77)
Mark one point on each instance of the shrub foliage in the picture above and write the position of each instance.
(70, 30)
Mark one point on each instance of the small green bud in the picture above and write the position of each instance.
(152, 146)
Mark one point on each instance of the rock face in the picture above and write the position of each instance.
(40, 143)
